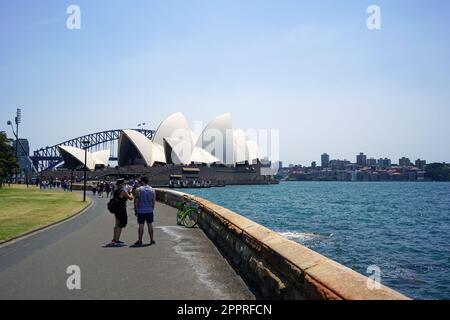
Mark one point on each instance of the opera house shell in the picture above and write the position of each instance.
(175, 143)
(74, 157)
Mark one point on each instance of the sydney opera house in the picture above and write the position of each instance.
(176, 156)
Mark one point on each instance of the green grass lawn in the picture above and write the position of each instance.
(25, 209)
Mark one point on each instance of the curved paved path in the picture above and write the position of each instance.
(183, 264)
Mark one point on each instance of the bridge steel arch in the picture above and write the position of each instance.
(48, 158)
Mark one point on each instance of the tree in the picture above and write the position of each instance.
(438, 172)
(8, 161)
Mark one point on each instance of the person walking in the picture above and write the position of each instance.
(121, 195)
(107, 189)
(144, 205)
(113, 188)
(101, 188)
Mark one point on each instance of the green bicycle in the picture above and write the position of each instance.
(187, 215)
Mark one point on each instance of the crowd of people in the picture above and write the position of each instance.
(102, 188)
(66, 185)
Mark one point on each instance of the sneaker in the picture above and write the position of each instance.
(138, 243)
(152, 242)
(112, 244)
(118, 242)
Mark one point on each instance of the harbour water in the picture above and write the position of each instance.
(403, 228)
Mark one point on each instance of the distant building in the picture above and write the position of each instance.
(404, 162)
(361, 159)
(23, 151)
(420, 164)
(325, 159)
(371, 162)
(384, 163)
(420, 175)
(313, 164)
(339, 164)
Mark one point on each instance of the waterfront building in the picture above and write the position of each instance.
(384, 163)
(351, 166)
(371, 162)
(420, 175)
(341, 175)
(420, 164)
(339, 164)
(325, 160)
(404, 162)
(361, 160)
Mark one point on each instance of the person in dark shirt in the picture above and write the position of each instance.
(122, 193)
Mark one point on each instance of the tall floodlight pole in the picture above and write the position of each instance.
(85, 145)
(18, 121)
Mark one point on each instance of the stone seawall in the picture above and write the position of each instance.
(273, 266)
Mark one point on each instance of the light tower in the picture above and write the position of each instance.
(18, 121)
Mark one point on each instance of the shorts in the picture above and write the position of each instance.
(145, 217)
(122, 216)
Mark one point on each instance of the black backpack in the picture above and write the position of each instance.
(113, 204)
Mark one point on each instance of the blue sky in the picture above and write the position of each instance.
(309, 68)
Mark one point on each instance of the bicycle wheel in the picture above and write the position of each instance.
(179, 217)
(191, 218)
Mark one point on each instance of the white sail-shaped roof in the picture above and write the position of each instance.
(194, 138)
(174, 126)
(217, 139)
(149, 151)
(101, 157)
(179, 151)
(77, 154)
(200, 155)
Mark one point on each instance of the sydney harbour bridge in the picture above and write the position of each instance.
(48, 158)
